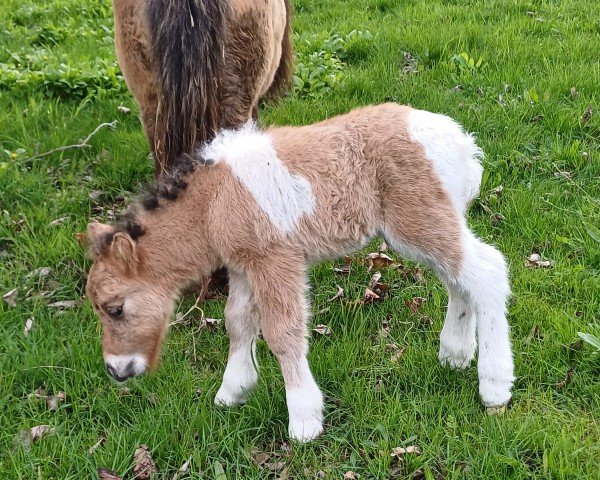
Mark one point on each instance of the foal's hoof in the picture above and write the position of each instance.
(456, 358)
(493, 411)
(227, 398)
(305, 430)
(495, 393)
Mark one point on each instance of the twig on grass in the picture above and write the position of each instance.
(83, 144)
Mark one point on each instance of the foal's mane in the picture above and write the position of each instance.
(164, 189)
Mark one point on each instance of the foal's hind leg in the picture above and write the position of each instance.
(484, 280)
(242, 324)
(476, 276)
(457, 339)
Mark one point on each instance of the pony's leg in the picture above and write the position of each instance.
(280, 292)
(477, 280)
(457, 339)
(242, 324)
(484, 280)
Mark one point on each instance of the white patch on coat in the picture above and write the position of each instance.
(283, 196)
(453, 153)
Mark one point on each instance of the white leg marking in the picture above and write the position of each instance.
(484, 279)
(241, 321)
(305, 404)
(457, 339)
(239, 379)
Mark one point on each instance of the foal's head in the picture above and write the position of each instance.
(134, 308)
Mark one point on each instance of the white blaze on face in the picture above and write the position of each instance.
(283, 196)
(122, 367)
(452, 152)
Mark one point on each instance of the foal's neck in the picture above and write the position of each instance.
(175, 247)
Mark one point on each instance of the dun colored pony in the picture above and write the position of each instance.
(198, 65)
(266, 205)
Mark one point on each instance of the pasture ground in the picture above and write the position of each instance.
(520, 74)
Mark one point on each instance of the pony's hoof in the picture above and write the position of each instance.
(305, 430)
(227, 398)
(493, 411)
(456, 358)
(495, 393)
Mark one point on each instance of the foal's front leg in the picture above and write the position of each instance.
(280, 294)
(241, 322)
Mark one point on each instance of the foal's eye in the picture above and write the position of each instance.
(115, 312)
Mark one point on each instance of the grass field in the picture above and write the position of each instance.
(521, 74)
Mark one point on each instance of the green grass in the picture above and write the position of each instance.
(538, 73)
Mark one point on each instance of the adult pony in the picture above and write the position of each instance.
(194, 66)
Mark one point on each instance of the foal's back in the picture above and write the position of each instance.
(380, 168)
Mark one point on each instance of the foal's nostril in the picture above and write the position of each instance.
(111, 371)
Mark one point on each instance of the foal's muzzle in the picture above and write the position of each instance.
(122, 367)
(128, 372)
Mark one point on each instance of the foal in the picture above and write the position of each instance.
(266, 205)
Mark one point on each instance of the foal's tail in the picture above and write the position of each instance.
(283, 75)
(188, 38)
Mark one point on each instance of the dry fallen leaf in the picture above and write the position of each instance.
(212, 322)
(182, 470)
(96, 445)
(383, 246)
(587, 115)
(339, 294)
(345, 270)
(53, 401)
(28, 325)
(398, 352)
(415, 304)
(39, 272)
(28, 436)
(349, 475)
(63, 304)
(275, 467)
(323, 330)
(379, 260)
(58, 221)
(411, 449)
(370, 296)
(144, 465)
(105, 474)
(11, 297)
(569, 375)
(374, 280)
(535, 261)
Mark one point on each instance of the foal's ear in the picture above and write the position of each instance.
(124, 250)
(99, 238)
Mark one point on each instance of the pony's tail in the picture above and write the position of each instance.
(283, 76)
(188, 38)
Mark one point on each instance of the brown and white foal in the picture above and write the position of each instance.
(268, 204)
